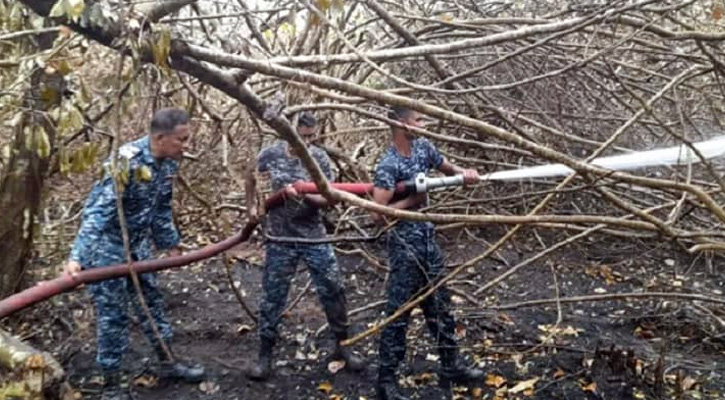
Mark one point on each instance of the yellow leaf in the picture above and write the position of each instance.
(29, 142)
(592, 387)
(62, 67)
(325, 387)
(287, 29)
(143, 174)
(477, 393)
(77, 165)
(324, 4)
(162, 48)
(42, 142)
(65, 163)
(75, 8)
(495, 380)
(49, 95)
(146, 381)
(638, 394)
(35, 361)
(524, 385)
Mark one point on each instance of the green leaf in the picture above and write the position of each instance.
(72, 9)
(59, 9)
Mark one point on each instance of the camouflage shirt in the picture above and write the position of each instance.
(297, 217)
(147, 208)
(395, 167)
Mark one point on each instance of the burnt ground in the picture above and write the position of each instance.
(603, 350)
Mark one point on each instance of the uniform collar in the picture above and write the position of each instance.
(145, 145)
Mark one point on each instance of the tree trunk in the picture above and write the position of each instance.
(21, 182)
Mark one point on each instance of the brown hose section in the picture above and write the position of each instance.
(64, 283)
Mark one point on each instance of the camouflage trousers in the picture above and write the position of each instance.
(280, 264)
(112, 299)
(415, 259)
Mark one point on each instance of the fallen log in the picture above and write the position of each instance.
(31, 374)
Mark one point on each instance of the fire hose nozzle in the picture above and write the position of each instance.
(425, 184)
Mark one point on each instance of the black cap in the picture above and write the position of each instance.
(306, 119)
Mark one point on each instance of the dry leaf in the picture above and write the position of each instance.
(325, 387)
(477, 393)
(638, 394)
(208, 387)
(567, 331)
(688, 383)
(425, 377)
(523, 385)
(643, 333)
(146, 381)
(35, 361)
(505, 318)
(559, 373)
(460, 331)
(335, 366)
(494, 380)
(592, 387)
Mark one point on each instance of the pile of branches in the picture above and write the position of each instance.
(505, 84)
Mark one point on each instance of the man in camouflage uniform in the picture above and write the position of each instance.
(298, 217)
(414, 256)
(151, 163)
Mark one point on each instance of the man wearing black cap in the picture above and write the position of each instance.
(298, 217)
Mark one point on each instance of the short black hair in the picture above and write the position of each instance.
(166, 120)
(306, 119)
(399, 113)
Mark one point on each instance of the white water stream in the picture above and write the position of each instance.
(677, 155)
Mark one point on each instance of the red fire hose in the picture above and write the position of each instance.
(47, 289)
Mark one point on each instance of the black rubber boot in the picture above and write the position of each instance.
(262, 370)
(175, 370)
(353, 362)
(389, 390)
(454, 372)
(178, 371)
(114, 387)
